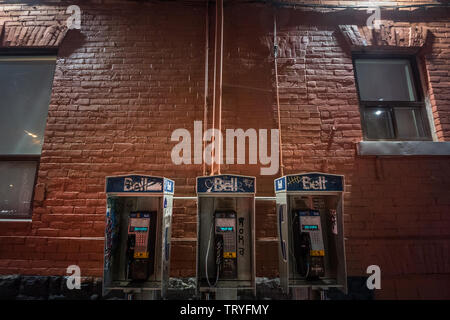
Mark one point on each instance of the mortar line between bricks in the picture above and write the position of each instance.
(400, 238)
(264, 239)
(63, 238)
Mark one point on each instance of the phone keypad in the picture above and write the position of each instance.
(229, 237)
(315, 238)
(229, 241)
(141, 236)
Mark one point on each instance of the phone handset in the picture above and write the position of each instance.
(218, 260)
(305, 258)
(302, 246)
(131, 242)
(219, 253)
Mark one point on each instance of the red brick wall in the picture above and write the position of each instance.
(136, 72)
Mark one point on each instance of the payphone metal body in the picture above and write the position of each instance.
(313, 192)
(226, 211)
(139, 206)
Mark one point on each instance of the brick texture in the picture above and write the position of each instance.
(135, 72)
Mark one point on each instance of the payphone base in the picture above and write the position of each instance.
(127, 285)
(322, 283)
(227, 289)
(147, 291)
(226, 294)
(227, 284)
(303, 293)
(142, 294)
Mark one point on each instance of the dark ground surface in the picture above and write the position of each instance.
(17, 287)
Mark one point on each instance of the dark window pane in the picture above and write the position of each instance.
(25, 87)
(378, 123)
(16, 187)
(385, 80)
(409, 123)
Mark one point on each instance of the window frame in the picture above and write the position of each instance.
(391, 105)
(26, 53)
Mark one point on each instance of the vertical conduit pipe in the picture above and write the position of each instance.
(205, 110)
(275, 54)
(213, 137)
(220, 86)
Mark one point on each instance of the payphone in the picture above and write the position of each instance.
(225, 236)
(137, 235)
(226, 244)
(308, 243)
(141, 245)
(310, 231)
